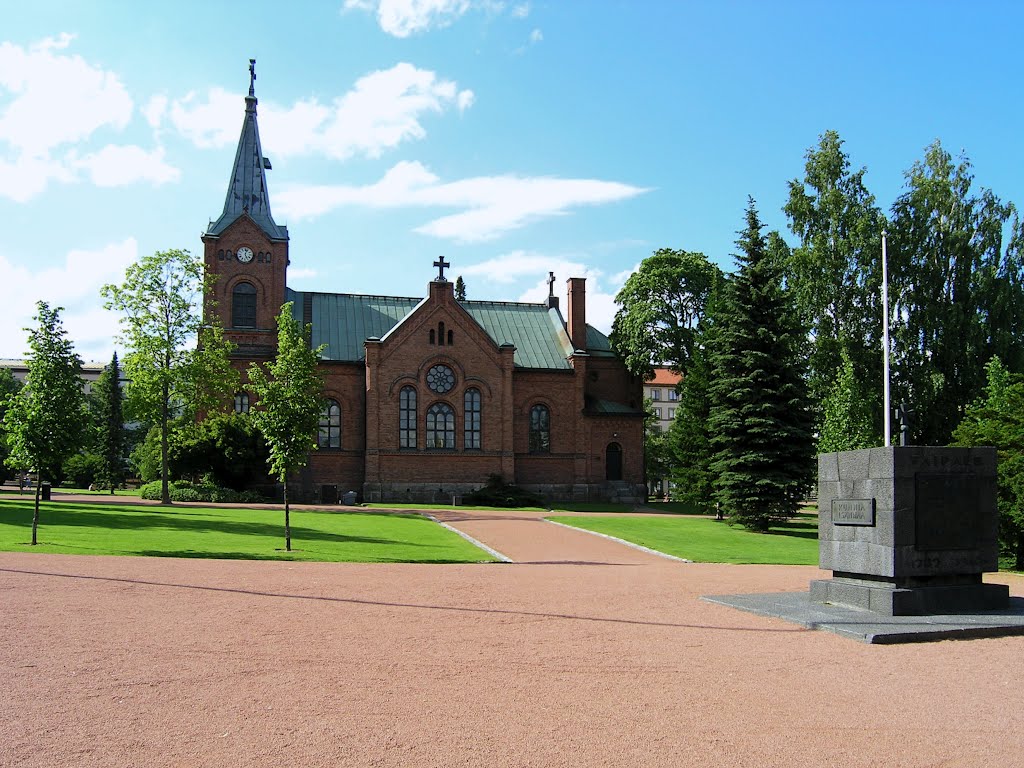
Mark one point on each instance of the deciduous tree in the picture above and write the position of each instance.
(659, 309)
(835, 271)
(9, 387)
(44, 421)
(997, 419)
(289, 400)
(846, 422)
(174, 362)
(956, 292)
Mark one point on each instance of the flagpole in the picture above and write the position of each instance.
(885, 342)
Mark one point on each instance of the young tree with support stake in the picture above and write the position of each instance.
(44, 421)
(289, 399)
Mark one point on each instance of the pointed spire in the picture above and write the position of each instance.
(247, 187)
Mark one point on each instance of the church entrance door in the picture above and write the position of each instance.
(613, 462)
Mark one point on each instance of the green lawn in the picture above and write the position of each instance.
(234, 533)
(705, 540)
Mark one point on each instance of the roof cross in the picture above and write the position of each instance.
(441, 264)
(252, 77)
(551, 284)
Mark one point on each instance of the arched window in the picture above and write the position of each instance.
(432, 337)
(241, 402)
(440, 426)
(243, 306)
(329, 435)
(407, 418)
(472, 418)
(451, 338)
(440, 334)
(540, 429)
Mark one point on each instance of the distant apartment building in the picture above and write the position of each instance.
(663, 392)
(90, 372)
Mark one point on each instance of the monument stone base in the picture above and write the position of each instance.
(888, 598)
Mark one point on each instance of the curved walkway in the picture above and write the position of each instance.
(582, 653)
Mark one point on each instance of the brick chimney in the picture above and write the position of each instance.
(577, 312)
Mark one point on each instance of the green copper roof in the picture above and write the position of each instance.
(609, 408)
(598, 344)
(345, 321)
(535, 330)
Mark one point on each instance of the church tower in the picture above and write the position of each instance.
(245, 251)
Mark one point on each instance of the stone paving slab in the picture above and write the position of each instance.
(871, 627)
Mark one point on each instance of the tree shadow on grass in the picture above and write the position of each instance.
(116, 519)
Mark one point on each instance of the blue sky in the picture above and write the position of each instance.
(515, 137)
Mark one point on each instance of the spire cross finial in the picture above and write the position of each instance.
(441, 264)
(551, 284)
(252, 77)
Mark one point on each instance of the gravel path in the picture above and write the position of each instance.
(583, 652)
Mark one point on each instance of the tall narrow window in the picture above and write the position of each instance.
(243, 306)
(440, 426)
(440, 334)
(329, 435)
(472, 419)
(407, 418)
(540, 429)
(241, 402)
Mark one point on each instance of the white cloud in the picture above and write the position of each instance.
(302, 274)
(518, 266)
(155, 110)
(26, 177)
(521, 11)
(383, 109)
(115, 166)
(402, 18)
(208, 124)
(490, 205)
(58, 103)
(536, 36)
(58, 99)
(73, 285)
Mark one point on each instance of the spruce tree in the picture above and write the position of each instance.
(760, 423)
(689, 438)
(110, 434)
(460, 289)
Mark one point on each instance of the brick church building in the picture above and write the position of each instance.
(426, 397)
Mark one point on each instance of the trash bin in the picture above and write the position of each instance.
(349, 499)
(44, 490)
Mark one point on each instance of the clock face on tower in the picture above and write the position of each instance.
(244, 254)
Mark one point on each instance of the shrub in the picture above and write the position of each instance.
(498, 493)
(205, 491)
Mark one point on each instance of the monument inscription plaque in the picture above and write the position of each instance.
(853, 512)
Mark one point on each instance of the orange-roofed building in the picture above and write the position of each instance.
(662, 390)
